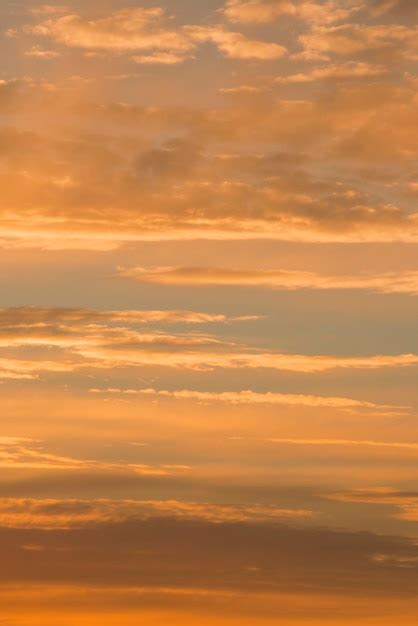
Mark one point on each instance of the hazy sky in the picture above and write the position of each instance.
(208, 313)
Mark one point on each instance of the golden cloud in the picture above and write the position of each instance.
(63, 193)
(405, 282)
(40, 340)
(27, 454)
(404, 502)
(264, 11)
(135, 29)
(251, 397)
(126, 30)
(70, 513)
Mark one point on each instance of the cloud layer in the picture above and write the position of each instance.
(208, 282)
(390, 282)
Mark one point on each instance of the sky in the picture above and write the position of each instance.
(208, 313)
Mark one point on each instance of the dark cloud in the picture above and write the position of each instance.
(232, 556)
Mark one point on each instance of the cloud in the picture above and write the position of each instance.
(196, 175)
(26, 454)
(39, 53)
(70, 513)
(294, 122)
(24, 369)
(42, 317)
(395, 40)
(241, 89)
(343, 71)
(126, 30)
(347, 443)
(236, 45)
(42, 340)
(103, 356)
(264, 11)
(257, 11)
(249, 397)
(160, 58)
(404, 502)
(73, 340)
(397, 8)
(149, 29)
(403, 282)
(263, 562)
(49, 9)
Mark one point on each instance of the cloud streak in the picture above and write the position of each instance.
(65, 514)
(403, 282)
(26, 454)
(404, 502)
(347, 443)
(250, 397)
(38, 341)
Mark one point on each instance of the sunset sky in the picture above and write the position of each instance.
(209, 313)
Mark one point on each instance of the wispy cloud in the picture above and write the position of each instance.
(341, 71)
(42, 340)
(250, 397)
(389, 282)
(39, 317)
(40, 53)
(405, 502)
(49, 513)
(27, 454)
(347, 443)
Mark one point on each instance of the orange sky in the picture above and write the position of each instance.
(208, 312)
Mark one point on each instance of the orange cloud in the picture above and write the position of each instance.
(257, 11)
(88, 339)
(347, 443)
(40, 317)
(70, 513)
(160, 58)
(352, 39)
(264, 11)
(136, 29)
(84, 333)
(391, 282)
(251, 397)
(40, 53)
(50, 9)
(153, 491)
(342, 71)
(236, 45)
(195, 176)
(26, 454)
(405, 502)
(126, 30)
